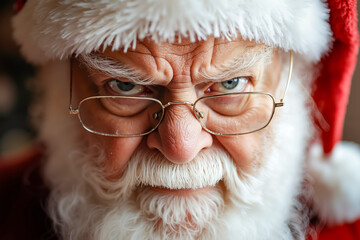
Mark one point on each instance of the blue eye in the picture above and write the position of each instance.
(230, 84)
(124, 88)
(237, 84)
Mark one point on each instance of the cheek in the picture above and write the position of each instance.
(118, 151)
(247, 150)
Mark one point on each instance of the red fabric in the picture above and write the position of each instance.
(22, 198)
(343, 232)
(20, 4)
(333, 86)
(12, 166)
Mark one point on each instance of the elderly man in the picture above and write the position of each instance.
(194, 118)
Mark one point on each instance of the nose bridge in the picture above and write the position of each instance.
(179, 129)
(179, 115)
(180, 135)
(176, 105)
(183, 114)
(190, 104)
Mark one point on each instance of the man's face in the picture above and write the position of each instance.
(182, 72)
(179, 181)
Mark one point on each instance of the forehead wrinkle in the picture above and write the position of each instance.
(177, 49)
(179, 57)
(113, 68)
(244, 63)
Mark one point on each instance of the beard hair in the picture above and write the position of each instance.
(127, 208)
(85, 204)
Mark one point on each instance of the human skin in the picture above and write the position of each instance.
(176, 70)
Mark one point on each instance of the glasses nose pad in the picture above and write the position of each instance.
(157, 115)
(199, 114)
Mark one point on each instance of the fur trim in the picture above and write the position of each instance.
(336, 182)
(56, 29)
(24, 31)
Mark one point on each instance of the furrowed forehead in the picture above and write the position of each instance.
(215, 59)
(248, 59)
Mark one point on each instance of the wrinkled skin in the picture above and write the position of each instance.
(177, 69)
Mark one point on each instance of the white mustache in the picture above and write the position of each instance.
(152, 169)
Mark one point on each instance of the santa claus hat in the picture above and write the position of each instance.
(320, 32)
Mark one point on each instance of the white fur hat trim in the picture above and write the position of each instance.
(336, 182)
(48, 29)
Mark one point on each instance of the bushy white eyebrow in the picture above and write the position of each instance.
(241, 63)
(113, 68)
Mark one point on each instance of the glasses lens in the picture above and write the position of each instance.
(120, 116)
(234, 114)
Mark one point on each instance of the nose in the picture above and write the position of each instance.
(180, 136)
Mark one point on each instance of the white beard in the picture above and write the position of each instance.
(85, 205)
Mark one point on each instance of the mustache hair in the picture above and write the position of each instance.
(150, 168)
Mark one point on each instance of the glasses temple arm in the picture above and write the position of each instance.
(71, 110)
(289, 76)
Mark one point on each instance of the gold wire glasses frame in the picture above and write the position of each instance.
(158, 115)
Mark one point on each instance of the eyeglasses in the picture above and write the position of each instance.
(224, 114)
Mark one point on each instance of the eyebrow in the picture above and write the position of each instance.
(241, 63)
(113, 68)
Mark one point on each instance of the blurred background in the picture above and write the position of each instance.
(16, 133)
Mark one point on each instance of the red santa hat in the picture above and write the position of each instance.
(323, 33)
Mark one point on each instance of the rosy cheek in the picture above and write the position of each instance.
(118, 151)
(245, 150)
